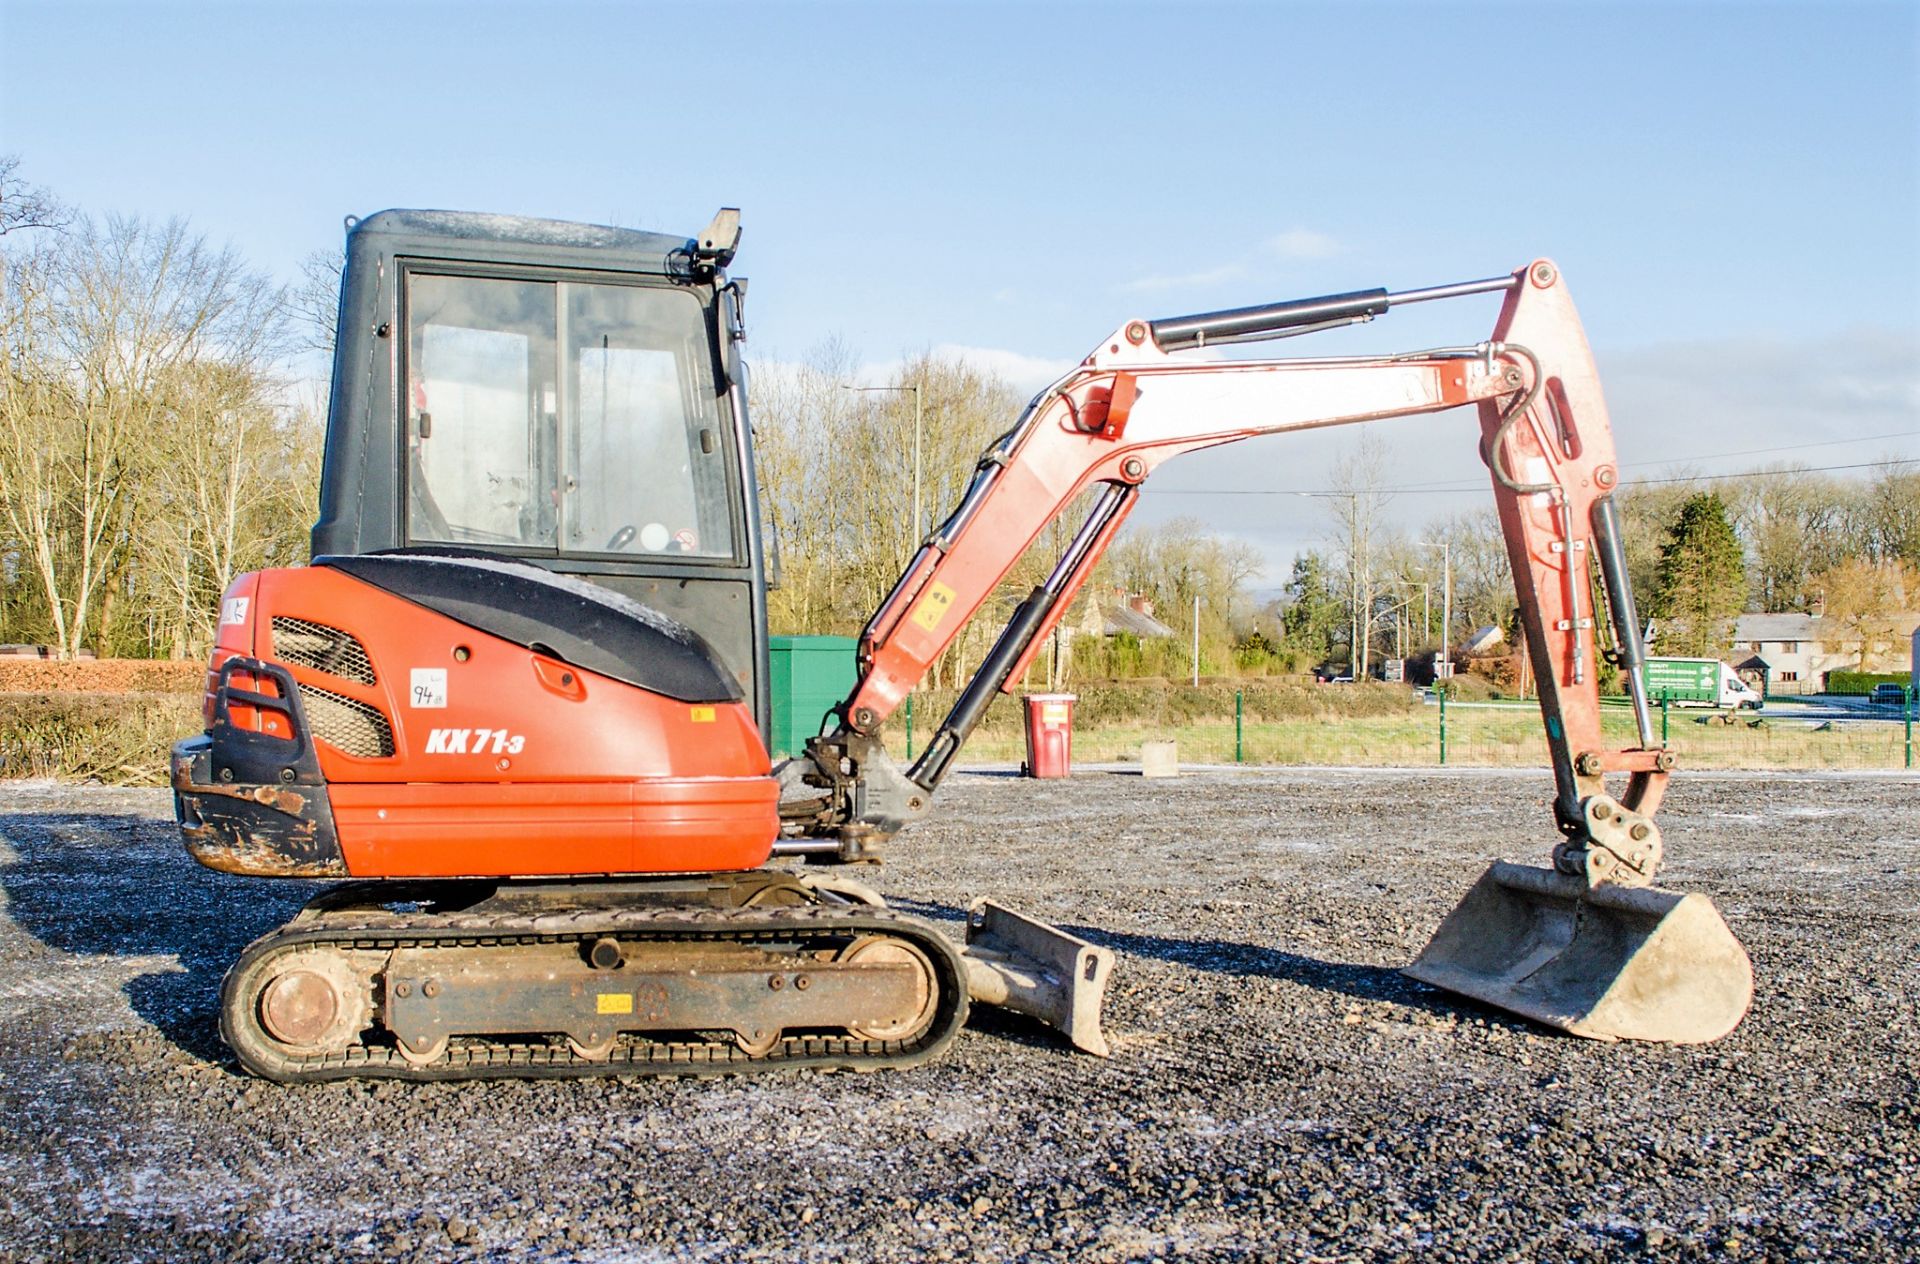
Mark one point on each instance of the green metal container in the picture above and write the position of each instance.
(808, 676)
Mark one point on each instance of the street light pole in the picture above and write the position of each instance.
(1446, 606)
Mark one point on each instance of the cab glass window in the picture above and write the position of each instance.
(568, 416)
(480, 466)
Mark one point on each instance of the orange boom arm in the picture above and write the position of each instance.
(1137, 402)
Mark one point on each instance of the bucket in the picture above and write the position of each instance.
(1606, 962)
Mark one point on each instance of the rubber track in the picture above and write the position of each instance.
(467, 1058)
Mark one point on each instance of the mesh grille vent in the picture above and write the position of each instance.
(322, 648)
(352, 726)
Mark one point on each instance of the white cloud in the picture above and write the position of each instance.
(1292, 246)
(1023, 372)
(1182, 280)
(1303, 243)
(1684, 401)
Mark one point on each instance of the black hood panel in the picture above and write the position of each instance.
(570, 619)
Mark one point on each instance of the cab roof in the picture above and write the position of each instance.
(623, 248)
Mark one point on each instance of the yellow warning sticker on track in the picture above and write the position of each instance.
(934, 606)
(703, 715)
(615, 1002)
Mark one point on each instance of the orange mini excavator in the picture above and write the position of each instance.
(519, 696)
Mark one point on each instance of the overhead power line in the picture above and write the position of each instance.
(1815, 469)
(1446, 489)
(1790, 447)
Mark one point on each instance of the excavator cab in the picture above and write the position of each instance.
(520, 699)
(567, 396)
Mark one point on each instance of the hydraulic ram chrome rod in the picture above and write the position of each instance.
(1302, 315)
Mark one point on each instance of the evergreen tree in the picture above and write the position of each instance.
(1701, 580)
(1314, 613)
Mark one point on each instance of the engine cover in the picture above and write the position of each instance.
(428, 745)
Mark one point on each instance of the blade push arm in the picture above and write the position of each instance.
(1132, 405)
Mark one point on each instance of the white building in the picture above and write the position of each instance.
(1792, 653)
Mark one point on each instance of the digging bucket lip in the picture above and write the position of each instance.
(1468, 955)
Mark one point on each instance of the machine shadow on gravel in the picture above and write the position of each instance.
(1222, 956)
(123, 886)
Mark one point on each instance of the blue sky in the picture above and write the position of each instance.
(1730, 188)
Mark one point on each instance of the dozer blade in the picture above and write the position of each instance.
(1610, 962)
(1038, 970)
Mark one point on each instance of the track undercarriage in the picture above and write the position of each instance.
(455, 980)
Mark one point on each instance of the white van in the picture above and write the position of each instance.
(1699, 682)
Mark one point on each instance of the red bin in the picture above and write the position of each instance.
(1049, 734)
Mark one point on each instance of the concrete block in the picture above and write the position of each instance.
(1159, 759)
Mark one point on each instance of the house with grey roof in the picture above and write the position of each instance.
(1792, 653)
(1121, 612)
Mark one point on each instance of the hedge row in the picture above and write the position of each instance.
(123, 738)
(102, 675)
(1852, 682)
(119, 738)
(1153, 702)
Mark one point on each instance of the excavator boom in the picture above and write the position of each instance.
(1136, 402)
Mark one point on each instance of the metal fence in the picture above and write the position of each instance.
(1813, 733)
(1819, 734)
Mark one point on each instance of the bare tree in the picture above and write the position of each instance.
(1177, 562)
(1357, 502)
(315, 299)
(1891, 513)
(235, 493)
(104, 323)
(1860, 601)
(24, 206)
(1794, 525)
(800, 412)
(1482, 574)
(836, 469)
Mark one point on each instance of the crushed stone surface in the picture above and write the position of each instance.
(1277, 1089)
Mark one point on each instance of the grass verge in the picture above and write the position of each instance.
(123, 738)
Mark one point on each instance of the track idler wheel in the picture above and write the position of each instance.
(598, 1052)
(880, 950)
(305, 1003)
(314, 1005)
(759, 1042)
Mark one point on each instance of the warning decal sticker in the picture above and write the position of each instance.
(934, 606)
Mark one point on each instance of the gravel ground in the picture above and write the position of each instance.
(1276, 1089)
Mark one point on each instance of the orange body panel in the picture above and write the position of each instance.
(555, 828)
(507, 762)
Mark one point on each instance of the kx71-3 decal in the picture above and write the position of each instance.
(474, 742)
